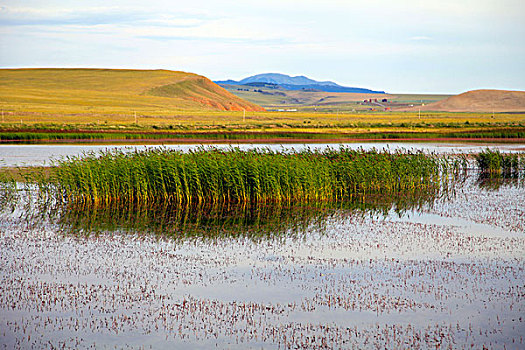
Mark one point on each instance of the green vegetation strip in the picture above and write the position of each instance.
(209, 175)
(96, 135)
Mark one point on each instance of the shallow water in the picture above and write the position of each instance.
(446, 273)
(41, 155)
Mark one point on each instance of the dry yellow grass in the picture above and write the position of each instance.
(87, 98)
(481, 101)
(103, 91)
(275, 120)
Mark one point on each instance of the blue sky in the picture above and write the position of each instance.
(397, 46)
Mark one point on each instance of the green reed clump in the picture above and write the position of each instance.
(8, 191)
(211, 175)
(494, 163)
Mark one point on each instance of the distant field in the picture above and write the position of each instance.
(252, 120)
(330, 102)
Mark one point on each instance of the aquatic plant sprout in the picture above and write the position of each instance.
(494, 163)
(211, 175)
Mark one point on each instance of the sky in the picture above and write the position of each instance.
(446, 46)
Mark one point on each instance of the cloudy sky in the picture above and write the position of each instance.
(446, 46)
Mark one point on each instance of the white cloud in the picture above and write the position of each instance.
(377, 43)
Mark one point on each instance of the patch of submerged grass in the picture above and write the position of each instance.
(493, 163)
(8, 191)
(210, 175)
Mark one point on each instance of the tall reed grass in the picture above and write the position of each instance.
(494, 163)
(210, 175)
(200, 221)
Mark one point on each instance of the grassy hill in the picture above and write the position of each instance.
(99, 92)
(481, 101)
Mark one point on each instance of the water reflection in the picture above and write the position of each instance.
(366, 281)
(249, 220)
(494, 182)
(41, 204)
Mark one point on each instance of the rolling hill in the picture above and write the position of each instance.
(113, 91)
(481, 101)
(287, 82)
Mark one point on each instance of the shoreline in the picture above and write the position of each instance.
(264, 140)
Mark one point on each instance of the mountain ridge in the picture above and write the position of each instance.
(299, 82)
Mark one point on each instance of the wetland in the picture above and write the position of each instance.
(439, 263)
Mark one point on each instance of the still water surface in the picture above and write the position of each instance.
(438, 273)
(38, 155)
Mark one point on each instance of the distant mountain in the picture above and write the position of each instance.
(330, 88)
(283, 79)
(295, 83)
(227, 82)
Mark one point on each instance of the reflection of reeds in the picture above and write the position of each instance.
(494, 183)
(192, 221)
(203, 220)
(258, 176)
(231, 220)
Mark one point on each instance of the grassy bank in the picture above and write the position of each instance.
(235, 176)
(155, 135)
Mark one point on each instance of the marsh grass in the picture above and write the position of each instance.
(8, 192)
(210, 175)
(493, 163)
(291, 133)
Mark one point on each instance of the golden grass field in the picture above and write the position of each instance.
(87, 98)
